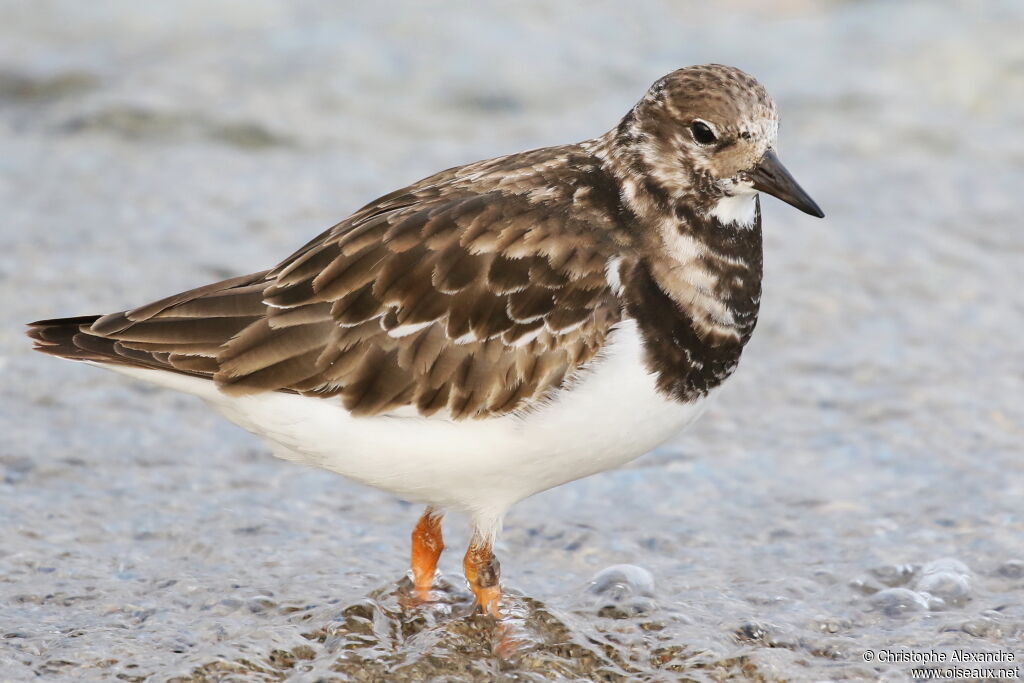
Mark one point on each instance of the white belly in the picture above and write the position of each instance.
(612, 415)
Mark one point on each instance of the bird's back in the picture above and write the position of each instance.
(472, 293)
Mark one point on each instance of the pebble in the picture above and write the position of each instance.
(948, 580)
(622, 590)
(894, 602)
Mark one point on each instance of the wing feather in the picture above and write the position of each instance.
(473, 293)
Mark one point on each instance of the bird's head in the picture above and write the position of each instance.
(710, 132)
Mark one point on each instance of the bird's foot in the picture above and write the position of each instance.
(487, 599)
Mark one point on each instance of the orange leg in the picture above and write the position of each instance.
(482, 571)
(427, 545)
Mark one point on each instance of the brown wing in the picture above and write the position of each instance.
(477, 291)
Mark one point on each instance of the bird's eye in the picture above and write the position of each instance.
(702, 133)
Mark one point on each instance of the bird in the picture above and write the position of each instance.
(496, 329)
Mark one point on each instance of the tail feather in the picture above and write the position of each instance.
(57, 336)
(73, 339)
(170, 334)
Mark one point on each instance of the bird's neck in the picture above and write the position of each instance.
(711, 270)
(695, 294)
(703, 248)
(695, 286)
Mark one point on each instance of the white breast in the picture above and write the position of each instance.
(611, 415)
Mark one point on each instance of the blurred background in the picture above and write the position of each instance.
(859, 485)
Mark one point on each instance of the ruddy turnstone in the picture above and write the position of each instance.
(496, 329)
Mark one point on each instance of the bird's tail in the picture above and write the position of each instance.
(76, 339)
(69, 338)
(182, 333)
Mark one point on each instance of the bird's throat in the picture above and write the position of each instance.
(736, 211)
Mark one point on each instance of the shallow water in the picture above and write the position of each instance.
(858, 485)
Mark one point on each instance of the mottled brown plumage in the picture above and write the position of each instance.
(480, 289)
(500, 290)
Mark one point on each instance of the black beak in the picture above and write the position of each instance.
(772, 177)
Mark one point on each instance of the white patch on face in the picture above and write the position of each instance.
(768, 128)
(739, 210)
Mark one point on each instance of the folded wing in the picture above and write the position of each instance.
(476, 293)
